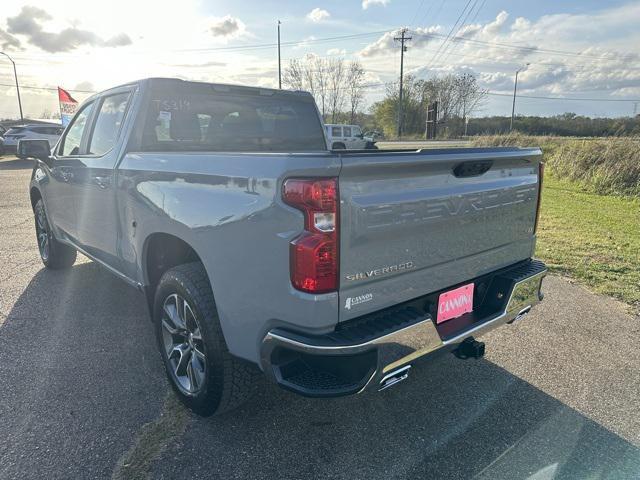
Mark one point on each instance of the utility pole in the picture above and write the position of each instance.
(515, 88)
(279, 64)
(15, 74)
(403, 49)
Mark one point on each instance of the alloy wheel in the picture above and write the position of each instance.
(183, 344)
(42, 233)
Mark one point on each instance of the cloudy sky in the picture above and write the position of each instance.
(576, 49)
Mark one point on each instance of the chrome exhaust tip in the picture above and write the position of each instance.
(394, 377)
(521, 314)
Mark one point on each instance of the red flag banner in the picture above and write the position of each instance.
(68, 106)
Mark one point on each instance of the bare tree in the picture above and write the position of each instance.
(295, 75)
(469, 95)
(355, 88)
(336, 76)
(443, 91)
(333, 83)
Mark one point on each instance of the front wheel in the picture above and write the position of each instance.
(206, 377)
(54, 255)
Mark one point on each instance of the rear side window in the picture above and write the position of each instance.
(336, 131)
(347, 131)
(200, 119)
(108, 123)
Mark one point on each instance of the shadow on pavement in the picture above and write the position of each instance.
(451, 419)
(79, 375)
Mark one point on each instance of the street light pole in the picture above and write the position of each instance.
(279, 64)
(515, 88)
(15, 74)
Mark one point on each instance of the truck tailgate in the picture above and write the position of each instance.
(412, 223)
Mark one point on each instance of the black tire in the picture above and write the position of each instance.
(54, 254)
(223, 382)
(338, 146)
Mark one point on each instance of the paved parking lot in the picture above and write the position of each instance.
(83, 395)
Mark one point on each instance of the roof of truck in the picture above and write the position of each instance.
(223, 87)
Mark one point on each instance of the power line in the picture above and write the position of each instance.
(455, 46)
(443, 55)
(30, 87)
(530, 49)
(260, 46)
(539, 97)
(435, 16)
(449, 34)
(415, 15)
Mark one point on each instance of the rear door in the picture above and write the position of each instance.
(95, 198)
(415, 223)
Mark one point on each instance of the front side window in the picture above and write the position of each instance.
(347, 131)
(356, 131)
(108, 123)
(73, 138)
(336, 131)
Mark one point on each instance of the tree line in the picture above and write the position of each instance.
(458, 96)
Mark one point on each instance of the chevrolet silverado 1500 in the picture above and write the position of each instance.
(259, 250)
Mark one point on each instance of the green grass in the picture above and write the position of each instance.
(608, 166)
(592, 238)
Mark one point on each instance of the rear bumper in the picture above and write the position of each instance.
(359, 354)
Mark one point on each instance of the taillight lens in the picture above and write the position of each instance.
(314, 254)
(540, 179)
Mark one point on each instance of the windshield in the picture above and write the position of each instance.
(197, 120)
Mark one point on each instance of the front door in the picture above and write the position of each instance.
(60, 187)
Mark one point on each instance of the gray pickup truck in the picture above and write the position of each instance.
(259, 250)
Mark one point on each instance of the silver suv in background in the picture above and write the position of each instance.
(347, 137)
(35, 131)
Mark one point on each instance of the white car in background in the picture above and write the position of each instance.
(36, 131)
(347, 137)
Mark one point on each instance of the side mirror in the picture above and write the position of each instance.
(39, 149)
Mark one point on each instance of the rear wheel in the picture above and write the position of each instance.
(206, 377)
(54, 255)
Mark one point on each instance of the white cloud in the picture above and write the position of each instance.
(28, 25)
(317, 15)
(386, 44)
(368, 3)
(227, 27)
(336, 51)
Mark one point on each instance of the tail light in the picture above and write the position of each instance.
(540, 179)
(314, 254)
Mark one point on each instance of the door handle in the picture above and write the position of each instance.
(102, 182)
(66, 175)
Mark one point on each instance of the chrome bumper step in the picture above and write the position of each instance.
(364, 351)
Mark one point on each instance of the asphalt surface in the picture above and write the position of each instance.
(83, 394)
